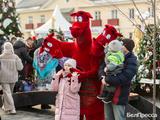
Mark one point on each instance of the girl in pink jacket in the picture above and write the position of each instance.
(67, 99)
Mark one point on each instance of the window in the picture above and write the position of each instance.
(97, 15)
(131, 13)
(114, 14)
(130, 35)
(30, 19)
(150, 10)
(42, 19)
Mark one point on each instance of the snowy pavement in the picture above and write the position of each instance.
(30, 114)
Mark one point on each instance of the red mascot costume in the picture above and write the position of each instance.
(89, 54)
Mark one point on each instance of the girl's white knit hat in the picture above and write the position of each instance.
(71, 62)
(8, 47)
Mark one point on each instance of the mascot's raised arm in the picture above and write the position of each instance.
(109, 33)
(89, 54)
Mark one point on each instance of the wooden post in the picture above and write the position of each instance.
(154, 58)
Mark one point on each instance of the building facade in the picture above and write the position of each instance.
(120, 13)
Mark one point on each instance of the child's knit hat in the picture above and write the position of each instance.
(71, 62)
(115, 46)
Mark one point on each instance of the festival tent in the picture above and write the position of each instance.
(45, 27)
(57, 21)
(60, 21)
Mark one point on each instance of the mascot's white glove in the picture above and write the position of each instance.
(75, 74)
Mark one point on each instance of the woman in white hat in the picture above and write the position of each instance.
(10, 63)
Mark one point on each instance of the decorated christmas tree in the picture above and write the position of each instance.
(145, 58)
(145, 54)
(9, 21)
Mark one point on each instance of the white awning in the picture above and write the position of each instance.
(57, 21)
(45, 27)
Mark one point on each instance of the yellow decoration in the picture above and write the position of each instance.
(137, 37)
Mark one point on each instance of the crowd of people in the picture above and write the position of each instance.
(27, 65)
(118, 69)
(16, 69)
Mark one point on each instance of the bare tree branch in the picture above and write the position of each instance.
(142, 19)
(134, 22)
(136, 25)
(152, 2)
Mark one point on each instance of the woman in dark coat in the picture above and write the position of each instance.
(21, 50)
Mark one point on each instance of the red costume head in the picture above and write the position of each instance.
(80, 28)
(109, 34)
(51, 46)
(81, 22)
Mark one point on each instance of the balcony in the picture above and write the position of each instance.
(29, 26)
(113, 21)
(39, 24)
(96, 23)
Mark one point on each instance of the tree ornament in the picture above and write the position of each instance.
(5, 9)
(12, 14)
(7, 22)
(141, 68)
(17, 18)
(146, 71)
(142, 86)
(10, 4)
(150, 53)
(1, 32)
(148, 90)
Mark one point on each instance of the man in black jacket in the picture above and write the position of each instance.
(122, 82)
